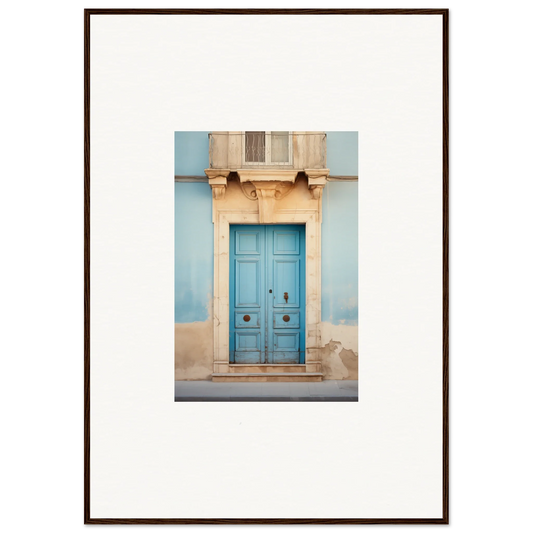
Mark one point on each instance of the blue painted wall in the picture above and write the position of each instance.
(342, 155)
(193, 267)
(340, 303)
(191, 153)
(194, 249)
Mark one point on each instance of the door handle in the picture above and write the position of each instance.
(286, 296)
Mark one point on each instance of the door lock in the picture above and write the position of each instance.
(286, 296)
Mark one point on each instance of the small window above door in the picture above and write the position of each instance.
(267, 148)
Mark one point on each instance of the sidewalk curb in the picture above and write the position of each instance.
(266, 399)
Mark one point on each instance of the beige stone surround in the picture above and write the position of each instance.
(267, 196)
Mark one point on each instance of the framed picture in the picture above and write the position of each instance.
(266, 308)
(266, 281)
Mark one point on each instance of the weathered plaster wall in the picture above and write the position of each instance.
(193, 350)
(340, 358)
(193, 281)
(340, 304)
(340, 253)
(193, 252)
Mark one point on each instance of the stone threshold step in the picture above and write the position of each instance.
(284, 377)
(262, 368)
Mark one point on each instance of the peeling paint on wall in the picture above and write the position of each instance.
(193, 349)
(340, 358)
(350, 360)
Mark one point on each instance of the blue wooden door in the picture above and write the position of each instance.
(267, 294)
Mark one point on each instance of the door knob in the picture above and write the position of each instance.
(286, 296)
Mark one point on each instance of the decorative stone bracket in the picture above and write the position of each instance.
(268, 185)
(218, 179)
(317, 181)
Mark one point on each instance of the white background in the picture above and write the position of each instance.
(380, 458)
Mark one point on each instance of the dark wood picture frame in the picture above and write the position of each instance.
(445, 280)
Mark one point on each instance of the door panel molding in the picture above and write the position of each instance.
(294, 271)
(284, 245)
(246, 298)
(250, 245)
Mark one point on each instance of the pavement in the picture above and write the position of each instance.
(330, 390)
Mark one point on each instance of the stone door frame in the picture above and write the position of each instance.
(222, 218)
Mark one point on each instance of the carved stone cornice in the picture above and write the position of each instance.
(266, 185)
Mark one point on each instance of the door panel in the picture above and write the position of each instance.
(286, 348)
(248, 242)
(286, 319)
(248, 320)
(248, 341)
(247, 294)
(248, 283)
(286, 242)
(267, 263)
(247, 347)
(286, 282)
(286, 341)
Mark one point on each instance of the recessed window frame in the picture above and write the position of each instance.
(268, 152)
